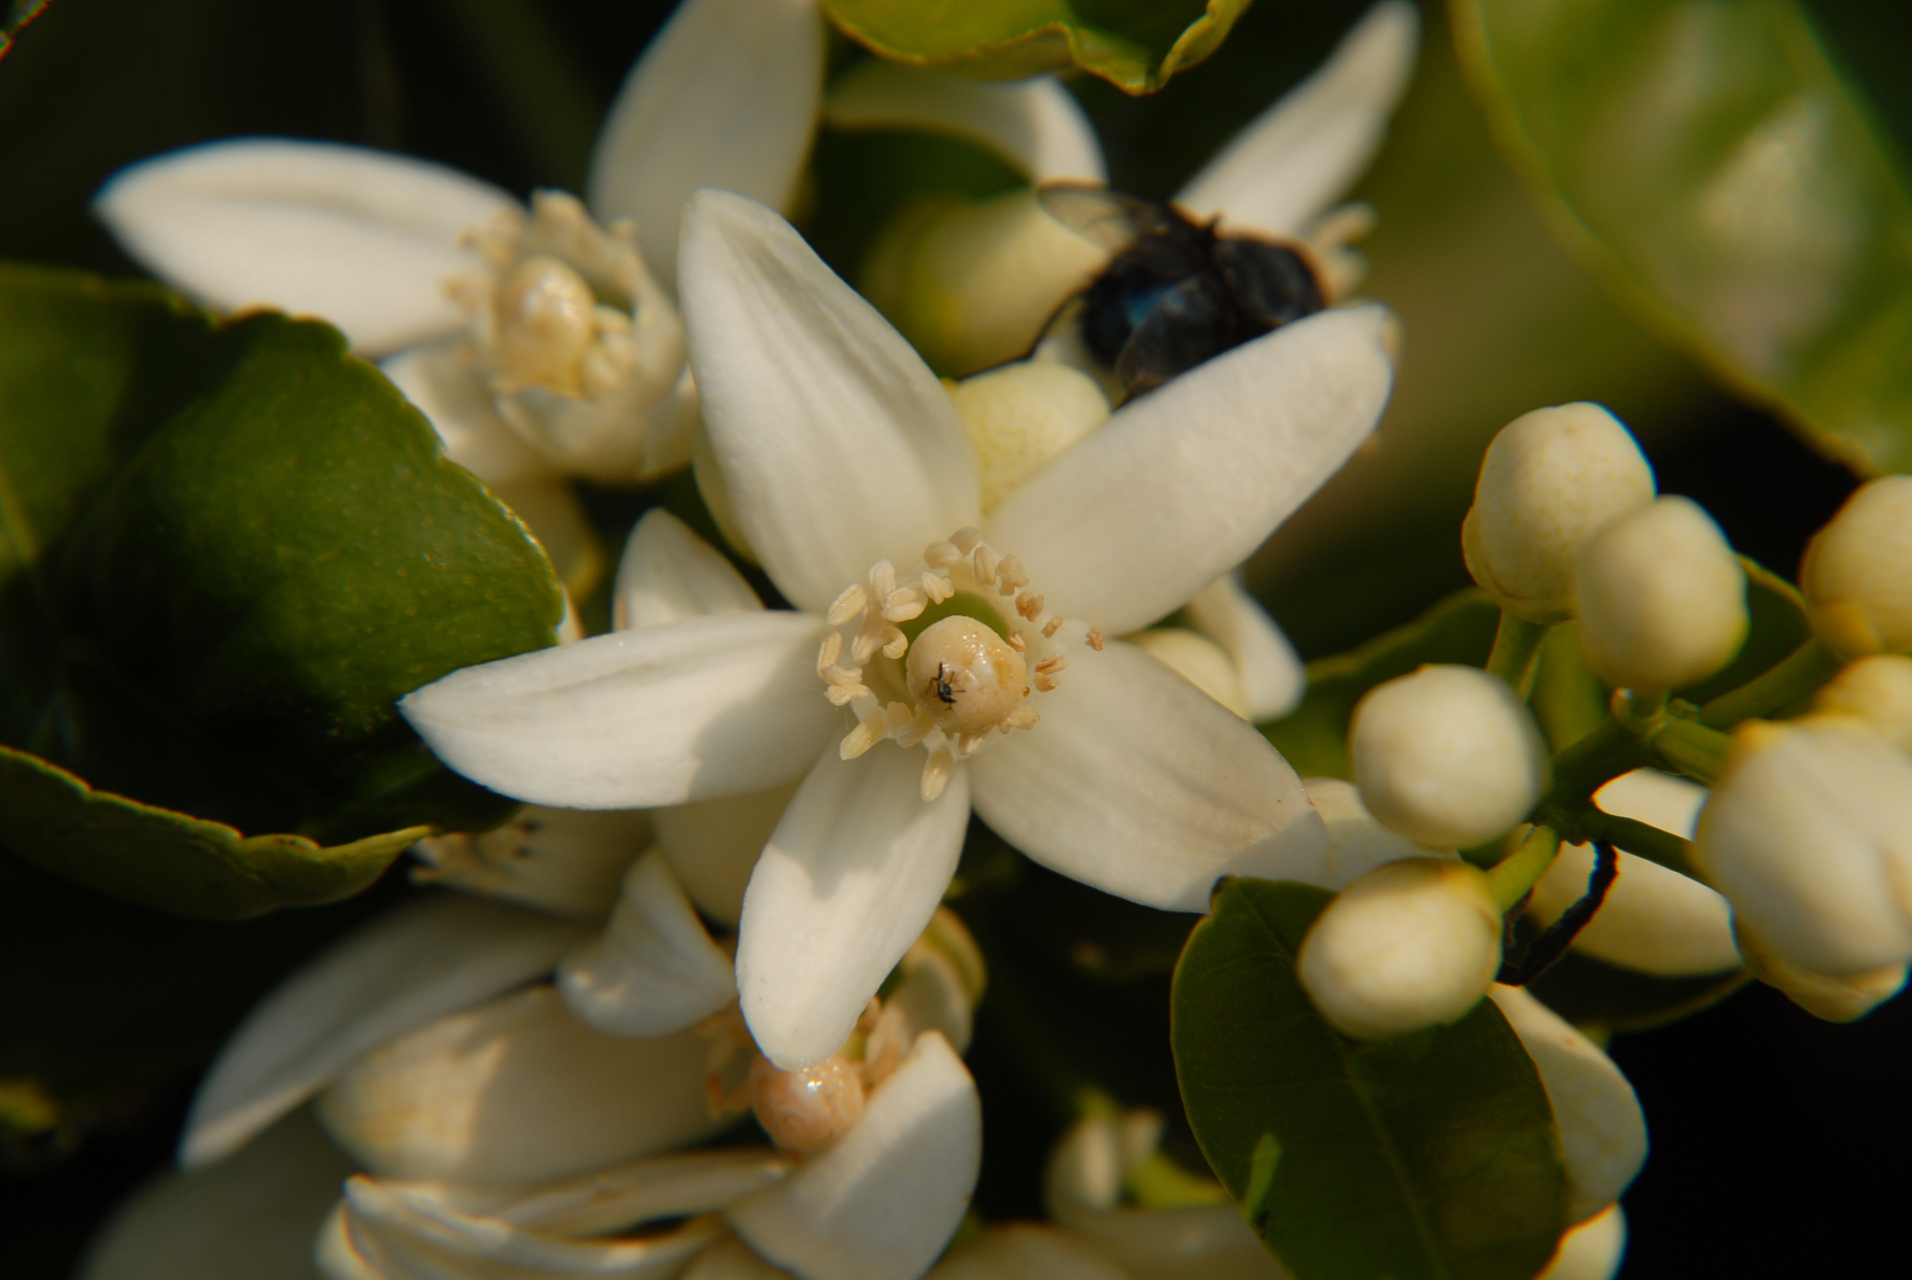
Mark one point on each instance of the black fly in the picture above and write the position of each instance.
(944, 689)
(1177, 291)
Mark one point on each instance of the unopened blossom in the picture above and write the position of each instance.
(1411, 944)
(1652, 919)
(1549, 481)
(1592, 1250)
(1809, 835)
(1857, 574)
(1602, 1129)
(1833, 997)
(1084, 1193)
(1448, 756)
(1662, 600)
(854, 482)
(1876, 689)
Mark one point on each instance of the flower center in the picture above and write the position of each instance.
(963, 669)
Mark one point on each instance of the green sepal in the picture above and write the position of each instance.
(225, 551)
(1135, 45)
(1716, 166)
(1432, 1154)
(1314, 736)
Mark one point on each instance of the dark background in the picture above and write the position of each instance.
(1778, 1141)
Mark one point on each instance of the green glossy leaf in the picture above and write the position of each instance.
(224, 552)
(1135, 45)
(184, 865)
(1314, 736)
(1430, 1155)
(1712, 160)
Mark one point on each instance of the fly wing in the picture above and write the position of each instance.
(1097, 214)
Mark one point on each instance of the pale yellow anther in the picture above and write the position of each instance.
(1029, 606)
(942, 556)
(842, 695)
(903, 604)
(936, 771)
(984, 561)
(898, 645)
(897, 717)
(1016, 641)
(870, 730)
(968, 743)
(832, 650)
(847, 605)
(965, 539)
(1094, 636)
(1053, 663)
(937, 587)
(917, 729)
(1023, 718)
(1054, 625)
(1044, 684)
(1010, 576)
(882, 580)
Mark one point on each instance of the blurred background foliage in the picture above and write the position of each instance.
(1758, 1113)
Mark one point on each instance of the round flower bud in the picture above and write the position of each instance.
(1809, 835)
(1857, 575)
(1877, 690)
(1550, 479)
(1662, 600)
(1448, 756)
(1832, 997)
(1408, 945)
(1021, 415)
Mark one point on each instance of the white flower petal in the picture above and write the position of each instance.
(732, 1259)
(882, 1202)
(1592, 1250)
(1297, 157)
(637, 718)
(1034, 124)
(357, 237)
(251, 1216)
(567, 861)
(838, 445)
(668, 573)
(607, 1200)
(1272, 674)
(1602, 1129)
(446, 382)
(1027, 1251)
(1360, 842)
(516, 1091)
(396, 1232)
(713, 845)
(849, 879)
(410, 966)
(1183, 483)
(725, 96)
(654, 969)
(1140, 784)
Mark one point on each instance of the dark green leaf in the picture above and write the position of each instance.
(224, 553)
(1714, 163)
(1314, 736)
(1135, 45)
(1432, 1154)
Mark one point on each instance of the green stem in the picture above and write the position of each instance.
(1514, 877)
(1640, 840)
(1589, 764)
(1516, 651)
(1691, 747)
(1790, 679)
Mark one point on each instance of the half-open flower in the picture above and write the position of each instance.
(977, 654)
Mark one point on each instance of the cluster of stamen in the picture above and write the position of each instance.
(962, 679)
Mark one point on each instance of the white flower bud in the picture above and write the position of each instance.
(1408, 945)
(1448, 756)
(1662, 600)
(1654, 919)
(1021, 415)
(1602, 1129)
(1592, 1250)
(1550, 479)
(1876, 689)
(1809, 835)
(1857, 575)
(1833, 997)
